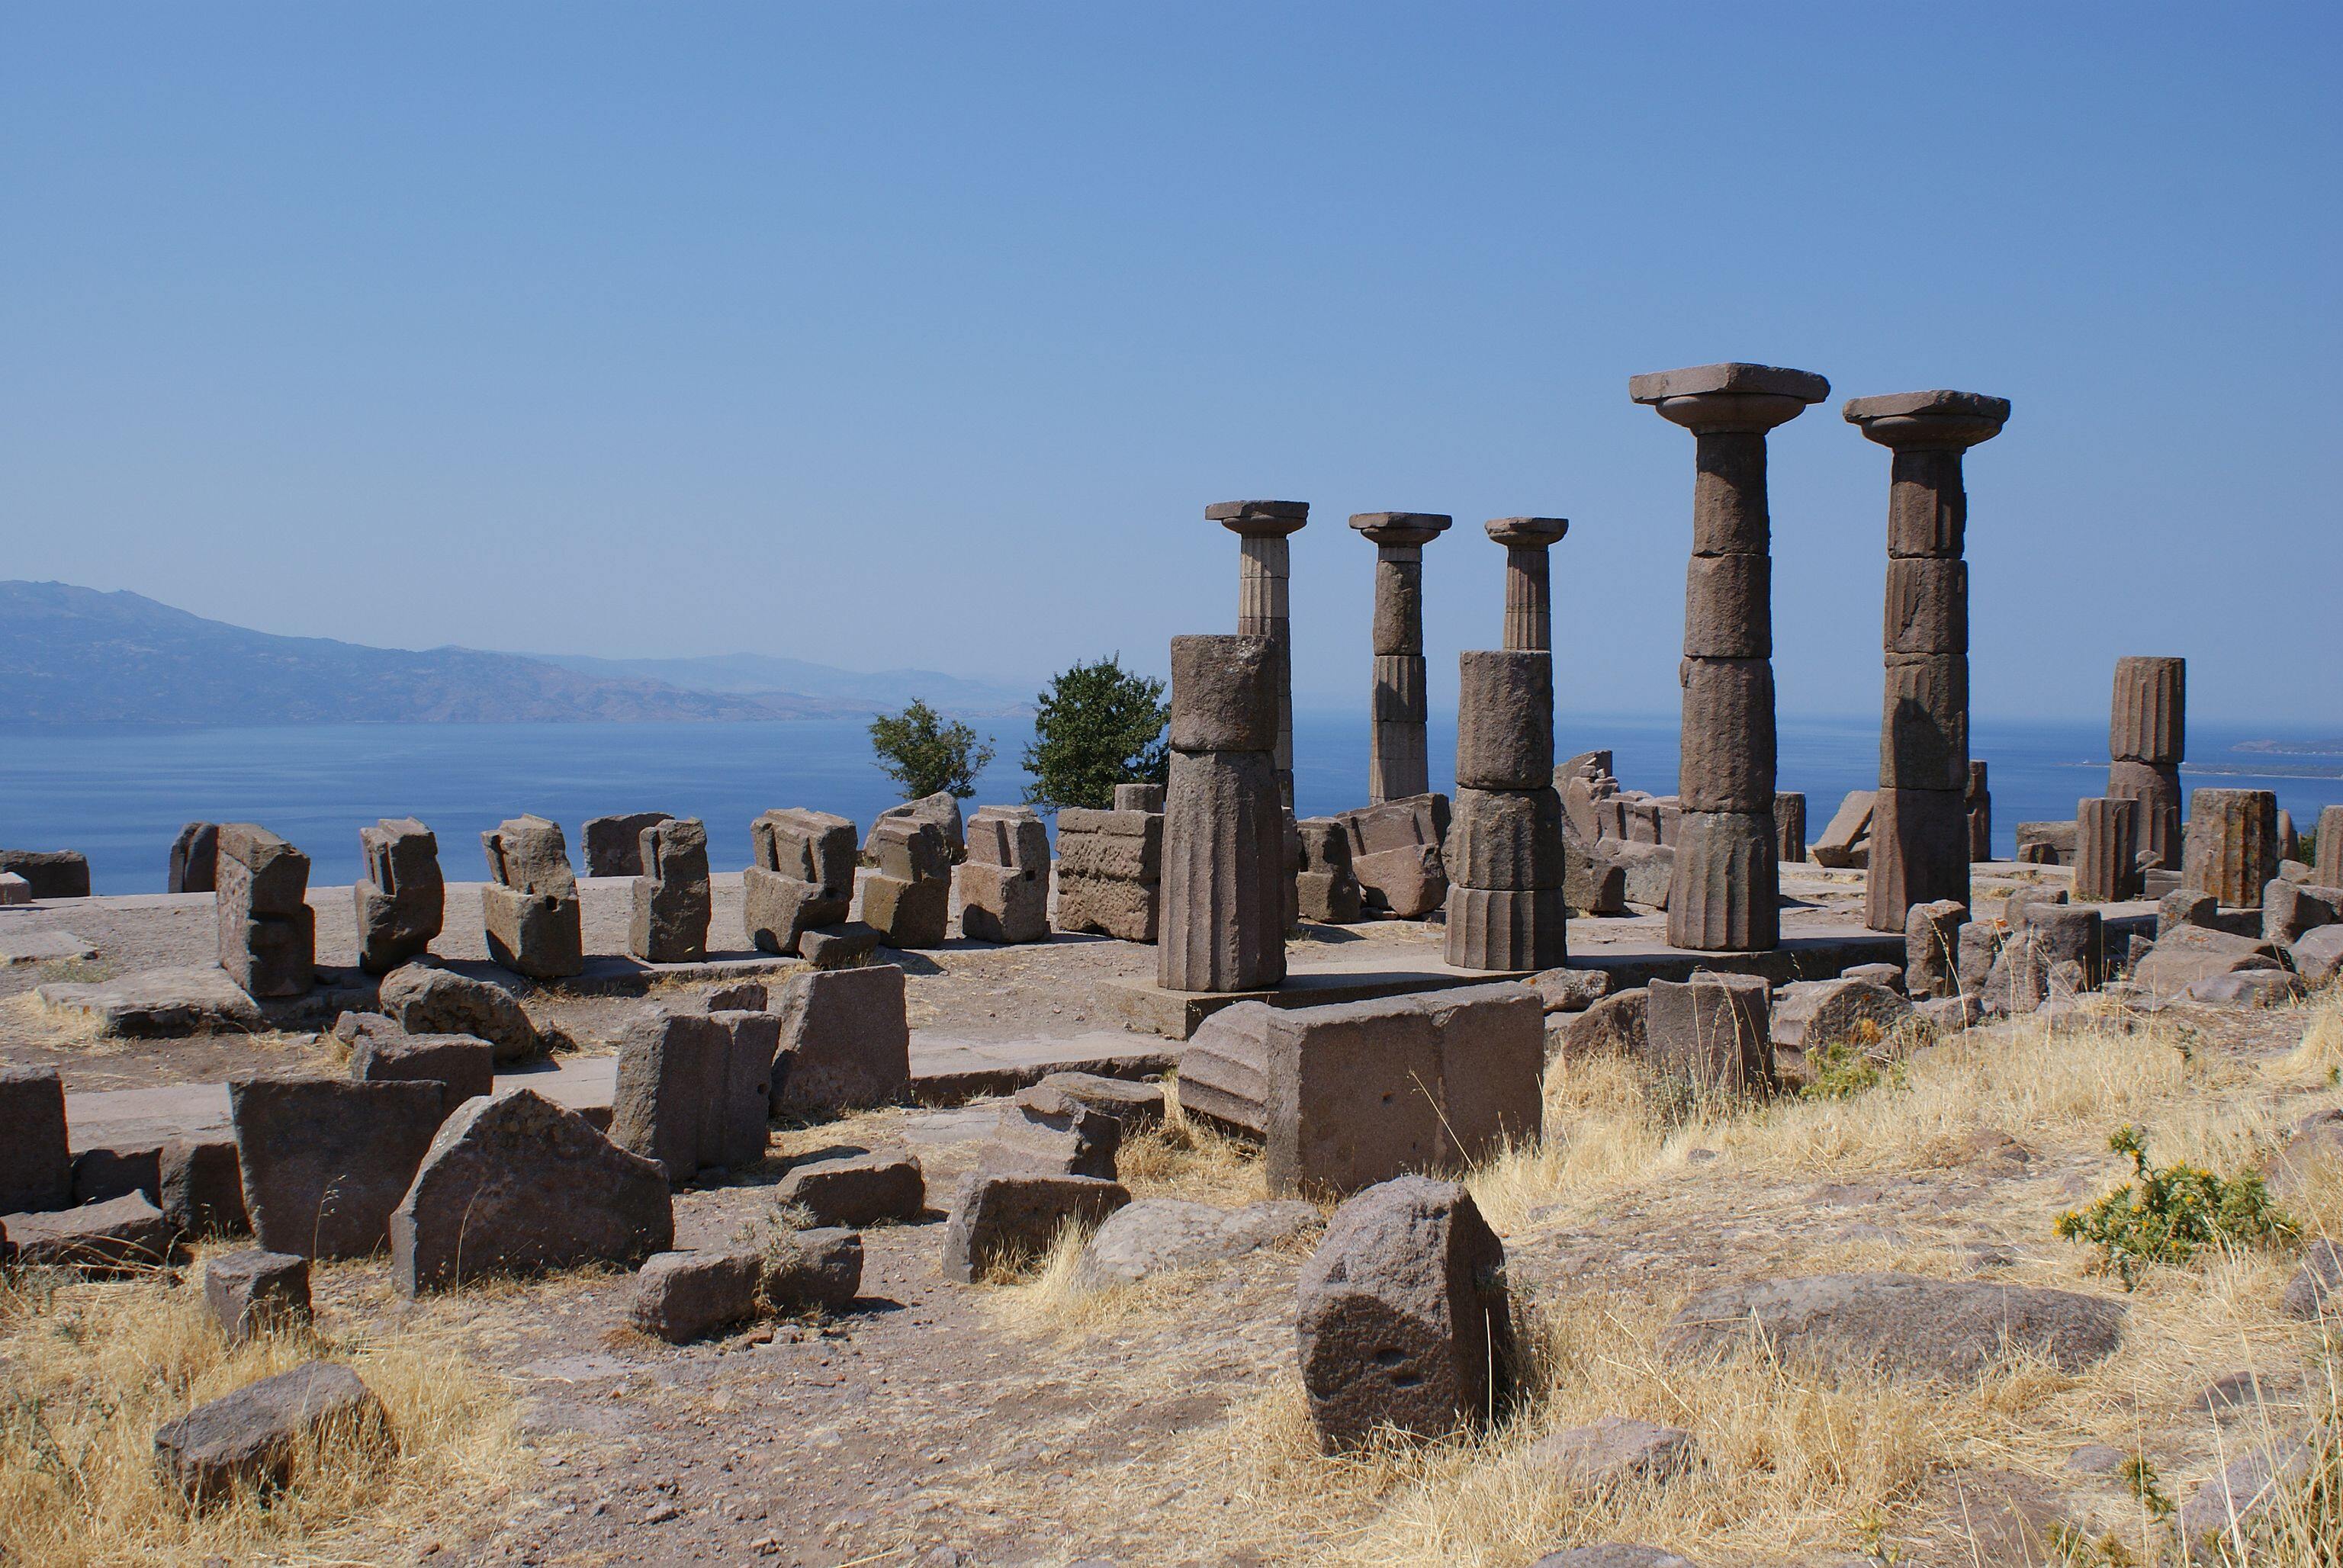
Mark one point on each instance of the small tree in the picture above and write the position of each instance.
(1099, 725)
(926, 755)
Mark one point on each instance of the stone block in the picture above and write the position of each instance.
(694, 1092)
(2050, 935)
(1919, 854)
(1726, 894)
(857, 1190)
(540, 935)
(684, 1296)
(267, 932)
(1506, 929)
(2156, 825)
(776, 910)
(613, 846)
(466, 1066)
(2105, 833)
(1001, 1221)
(254, 1291)
(1980, 947)
(2318, 954)
(401, 901)
(1932, 947)
(910, 851)
(1850, 1011)
(845, 945)
(14, 889)
(1505, 722)
(499, 1193)
(1224, 884)
(1713, 1032)
(1593, 884)
(939, 810)
(122, 1236)
(1139, 797)
(1224, 695)
(1005, 903)
(1617, 1025)
(203, 1189)
(907, 914)
(1506, 839)
(49, 873)
(1008, 836)
(1980, 801)
(1728, 607)
(806, 845)
(422, 999)
(194, 859)
(1135, 856)
(1849, 829)
(529, 854)
(1924, 739)
(672, 900)
(2229, 847)
(2148, 719)
(1405, 1323)
(1928, 605)
(1728, 751)
(36, 1160)
(1789, 827)
(99, 1174)
(2291, 909)
(1128, 910)
(324, 1162)
(1046, 1129)
(1406, 884)
(247, 1441)
(845, 1042)
(2045, 843)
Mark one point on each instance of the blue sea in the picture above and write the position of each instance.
(119, 794)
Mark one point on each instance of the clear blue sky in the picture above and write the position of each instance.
(911, 335)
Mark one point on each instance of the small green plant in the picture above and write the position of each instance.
(1098, 726)
(2076, 1549)
(926, 755)
(1839, 1071)
(2141, 1478)
(2169, 1215)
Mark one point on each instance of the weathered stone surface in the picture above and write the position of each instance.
(531, 855)
(1919, 854)
(49, 873)
(1815, 1015)
(2045, 843)
(1046, 1131)
(1726, 894)
(2229, 847)
(1163, 1235)
(99, 1174)
(613, 846)
(1924, 740)
(818, 1268)
(254, 1291)
(672, 900)
(499, 1193)
(801, 875)
(467, 1066)
(1727, 758)
(202, 1189)
(2240, 1499)
(693, 1092)
(35, 1159)
(1404, 1322)
(531, 908)
(1932, 938)
(1593, 883)
(1713, 1032)
(1122, 857)
(1128, 910)
(2051, 934)
(845, 1042)
(325, 1163)
(1004, 887)
(906, 915)
(1979, 801)
(267, 932)
(124, 1235)
(425, 999)
(2315, 1283)
(1002, 1219)
(1223, 695)
(1328, 887)
(2186, 954)
(194, 859)
(845, 945)
(402, 899)
(1571, 990)
(2291, 909)
(1504, 734)
(2149, 720)
(1505, 839)
(2154, 788)
(1928, 605)
(1224, 926)
(1138, 1105)
(1613, 1554)
(1789, 827)
(2246, 988)
(1618, 1025)
(682, 1296)
(1948, 1331)
(2185, 907)
(1613, 1452)
(2107, 841)
(14, 889)
(1139, 797)
(1728, 607)
(1506, 931)
(2318, 954)
(247, 1441)
(1647, 872)
(1848, 830)
(939, 810)
(857, 1190)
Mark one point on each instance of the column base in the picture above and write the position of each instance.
(1726, 893)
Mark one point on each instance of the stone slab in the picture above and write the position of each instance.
(1145, 1006)
(43, 946)
(203, 999)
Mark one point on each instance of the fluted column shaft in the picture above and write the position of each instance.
(1398, 755)
(2148, 736)
(1263, 565)
(1529, 596)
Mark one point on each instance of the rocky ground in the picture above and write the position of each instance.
(1046, 1423)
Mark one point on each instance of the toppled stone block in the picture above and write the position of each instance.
(1571, 990)
(247, 1441)
(531, 908)
(694, 1092)
(743, 996)
(267, 932)
(819, 1270)
(1617, 1025)
(845, 945)
(939, 810)
(845, 1042)
(1591, 883)
(49, 873)
(1848, 833)
(2246, 988)
(423, 1000)
(613, 846)
(672, 900)
(908, 900)
(254, 1291)
(1816, 1015)
(1932, 947)
(1405, 1318)
(1004, 1220)
(402, 899)
(2289, 909)
(857, 1190)
(2045, 843)
(194, 859)
(1713, 1032)
(99, 1174)
(466, 1065)
(1646, 871)
(2318, 954)
(1160, 1236)
(325, 1163)
(1613, 1452)
(203, 1189)
(35, 1159)
(684, 1296)
(1395, 854)
(800, 877)
(2186, 954)
(500, 1193)
(124, 1235)
(1045, 1129)
(1328, 887)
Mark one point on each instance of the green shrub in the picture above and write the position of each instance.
(1098, 726)
(1839, 1071)
(2169, 1215)
(926, 755)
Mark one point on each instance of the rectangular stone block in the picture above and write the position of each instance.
(1504, 723)
(324, 1162)
(1407, 884)
(2149, 720)
(2106, 830)
(464, 1065)
(1505, 839)
(269, 955)
(260, 872)
(1004, 903)
(1919, 854)
(2328, 854)
(194, 859)
(1121, 858)
(1713, 1032)
(1848, 830)
(2230, 847)
(1109, 905)
(815, 847)
(35, 1162)
(1008, 836)
(1927, 606)
(2045, 843)
(401, 900)
(1923, 738)
(1932, 949)
(907, 914)
(845, 1042)
(1728, 607)
(1399, 824)
(1928, 509)
(1225, 876)
(2291, 909)
(531, 854)
(540, 935)
(613, 846)
(776, 910)
(2156, 825)
(1133, 797)
(672, 898)
(1224, 694)
(1398, 695)
(1789, 825)
(1727, 758)
(910, 851)
(1504, 931)
(694, 1091)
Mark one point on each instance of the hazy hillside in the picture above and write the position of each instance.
(73, 655)
(757, 674)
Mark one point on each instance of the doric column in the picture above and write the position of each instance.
(1263, 565)
(1920, 845)
(1726, 894)
(1529, 598)
(1224, 878)
(1398, 764)
(2148, 735)
(1505, 849)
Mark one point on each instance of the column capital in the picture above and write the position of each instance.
(1258, 519)
(1536, 532)
(1928, 421)
(1731, 395)
(1402, 527)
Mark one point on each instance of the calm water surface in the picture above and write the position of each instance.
(119, 794)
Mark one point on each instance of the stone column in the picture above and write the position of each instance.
(1529, 597)
(1504, 854)
(1224, 878)
(2104, 830)
(2329, 851)
(1980, 804)
(1919, 826)
(1263, 565)
(1398, 765)
(1726, 894)
(2230, 847)
(2147, 734)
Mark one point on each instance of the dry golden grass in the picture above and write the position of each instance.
(93, 1369)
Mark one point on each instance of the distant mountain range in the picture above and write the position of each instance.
(74, 655)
